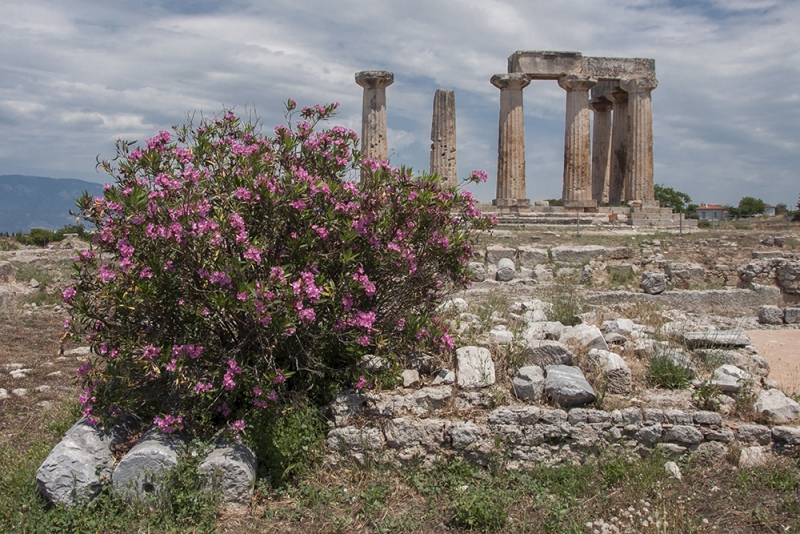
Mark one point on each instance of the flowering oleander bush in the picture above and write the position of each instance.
(229, 268)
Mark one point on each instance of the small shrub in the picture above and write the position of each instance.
(566, 303)
(665, 372)
(704, 224)
(707, 396)
(480, 509)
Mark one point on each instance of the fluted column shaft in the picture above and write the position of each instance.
(619, 147)
(601, 148)
(639, 173)
(511, 190)
(443, 137)
(373, 113)
(577, 141)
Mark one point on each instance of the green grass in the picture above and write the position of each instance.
(664, 372)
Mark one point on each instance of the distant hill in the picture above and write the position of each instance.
(36, 202)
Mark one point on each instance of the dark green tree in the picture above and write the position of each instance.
(781, 208)
(670, 198)
(749, 206)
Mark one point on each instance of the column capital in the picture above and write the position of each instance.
(374, 79)
(515, 80)
(601, 104)
(638, 85)
(618, 96)
(574, 82)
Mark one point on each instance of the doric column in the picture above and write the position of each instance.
(511, 142)
(577, 190)
(619, 147)
(443, 137)
(373, 113)
(601, 148)
(639, 173)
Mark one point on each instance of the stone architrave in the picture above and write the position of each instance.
(443, 137)
(639, 183)
(577, 191)
(511, 192)
(373, 113)
(601, 148)
(619, 147)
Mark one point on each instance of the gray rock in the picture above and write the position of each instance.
(684, 435)
(20, 373)
(371, 362)
(649, 435)
(769, 314)
(791, 315)
(787, 435)
(352, 439)
(653, 283)
(477, 271)
(457, 304)
(730, 379)
(616, 372)
(6, 272)
(34, 283)
(685, 273)
(577, 254)
(500, 335)
(420, 434)
(619, 326)
(231, 469)
(585, 336)
(531, 257)
(3, 393)
(78, 467)
(673, 470)
(653, 415)
(445, 376)
(622, 270)
(141, 471)
(462, 435)
(678, 417)
(19, 392)
(495, 253)
(529, 383)
(505, 270)
(777, 407)
(475, 368)
(752, 457)
(735, 337)
(707, 418)
(550, 330)
(544, 353)
(750, 433)
(566, 386)
(410, 378)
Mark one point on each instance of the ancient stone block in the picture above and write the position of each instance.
(475, 368)
(544, 353)
(653, 283)
(529, 383)
(777, 407)
(770, 315)
(584, 335)
(505, 270)
(616, 372)
(566, 386)
(495, 253)
(231, 469)
(141, 472)
(477, 271)
(735, 337)
(531, 257)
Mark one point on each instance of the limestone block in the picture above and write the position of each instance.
(673, 470)
(410, 378)
(788, 277)
(616, 372)
(231, 469)
(653, 415)
(542, 274)
(584, 335)
(532, 256)
(529, 383)
(78, 467)
(729, 378)
(566, 386)
(505, 270)
(684, 435)
(545, 352)
(678, 417)
(445, 376)
(477, 271)
(6, 272)
(427, 434)
(619, 326)
(685, 273)
(770, 315)
(707, 418)
(777, 407)
(457, 304)
(751, 433)
(786, 435)
(475, 368)
(462, 435)
(622, 270)
(500, 335)
(352, 439)
(735, 337)
(141, 471)
(495, 253)
(549, 330)
(791, 315)
(752, 457)
(577, 254)
(653, 283)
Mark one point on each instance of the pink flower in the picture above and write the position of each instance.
(224, 410)
(238, 425)
(68, 294)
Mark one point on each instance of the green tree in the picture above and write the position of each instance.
(670, 198)
(749, 206)
(691, 211)
(781, 208)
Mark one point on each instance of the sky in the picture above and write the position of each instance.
(75, 75)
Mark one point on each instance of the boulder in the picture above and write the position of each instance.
(776, 407)
(230, 469)
(529, 383)
(544, 353)
(475, 368)
(770, 315)
(78, 467)
(550, 330)
(141, 471)
(531, 257)
(653, 283)
(495, 253)
(616, 372)
(685, 274)
(673, 471)
(751, 433)
(505, 270)
(729, 378)
(791, 315)
(477, 271)
(584, 335)
(410, 378)
(500, 335)
(619, 326)
(735, 337)
(567, 386)
(752, 457)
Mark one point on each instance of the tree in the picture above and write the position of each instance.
(749, 206)
(670, 198)
(781, 208)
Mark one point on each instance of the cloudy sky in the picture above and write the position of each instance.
(77, 74)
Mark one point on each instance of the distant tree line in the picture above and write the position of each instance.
(40, 237)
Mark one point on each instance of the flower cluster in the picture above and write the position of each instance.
(228, 269)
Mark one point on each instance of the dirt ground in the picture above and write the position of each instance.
(781, 348)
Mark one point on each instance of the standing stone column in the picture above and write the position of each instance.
(639, 173)
(619, 147)
(577, 190)
(601, 148)
(443, 137)
(373, 113)
(511, 191)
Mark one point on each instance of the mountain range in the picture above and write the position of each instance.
(37, 202)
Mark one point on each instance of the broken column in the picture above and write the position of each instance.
(639, 184)
(601, 148)
(373, 113)
(511, 192)
(619, 147)
(443, 137)
(577, 189)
